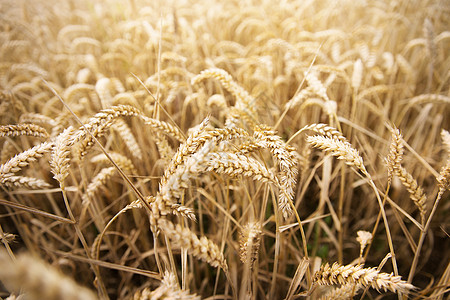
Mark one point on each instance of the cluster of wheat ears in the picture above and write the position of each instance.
(249, 149)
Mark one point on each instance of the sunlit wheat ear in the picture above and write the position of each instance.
(339, 149)
(121, 160)
(286, 158)
(316, 85)
(175, 184)
(23, 129)
(60, 161)
(325, 130)
(395, 155)
(444, 177)
(124, 131)
(39, 280)
(339, 274)
(446, 140)
(415, 191)
(244, 102)
(364, 238)
(195, 140)
(98, 124)
(24, 158)
(346, 291)
(164, 127)
(249, 242)
(168, 290)
(201, 248)
(11, 180)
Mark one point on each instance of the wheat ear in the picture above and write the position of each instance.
(24, 158)
(339, 274)
(286, 157)
(249, 242)
(168, 289)
(342, 150)
(59, 160)
(202, 248)
(39, 280)
(23, 129)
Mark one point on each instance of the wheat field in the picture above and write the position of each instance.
(248, 149)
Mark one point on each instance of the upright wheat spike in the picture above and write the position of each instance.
(395, 155)
(24, 158)
(250, 238)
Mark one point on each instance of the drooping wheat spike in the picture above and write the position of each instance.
(164, 127)
(59, 160)
(99, 123)
(325, 130)
(11, 180)
(128, 137)
(201, 248)
(168, 290)
(121, 160)
(364, 238)
(415, 191)
(235, 165)
(37, 119)
(178, 181)
(249, 242)
(7, 237)
(286, 158)
(24, 158)
(23, 129)
(346, 291)
(39, 280)
(339, 274)
(446, 140)
(244, 102)
(339, 149)
(395, 155)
